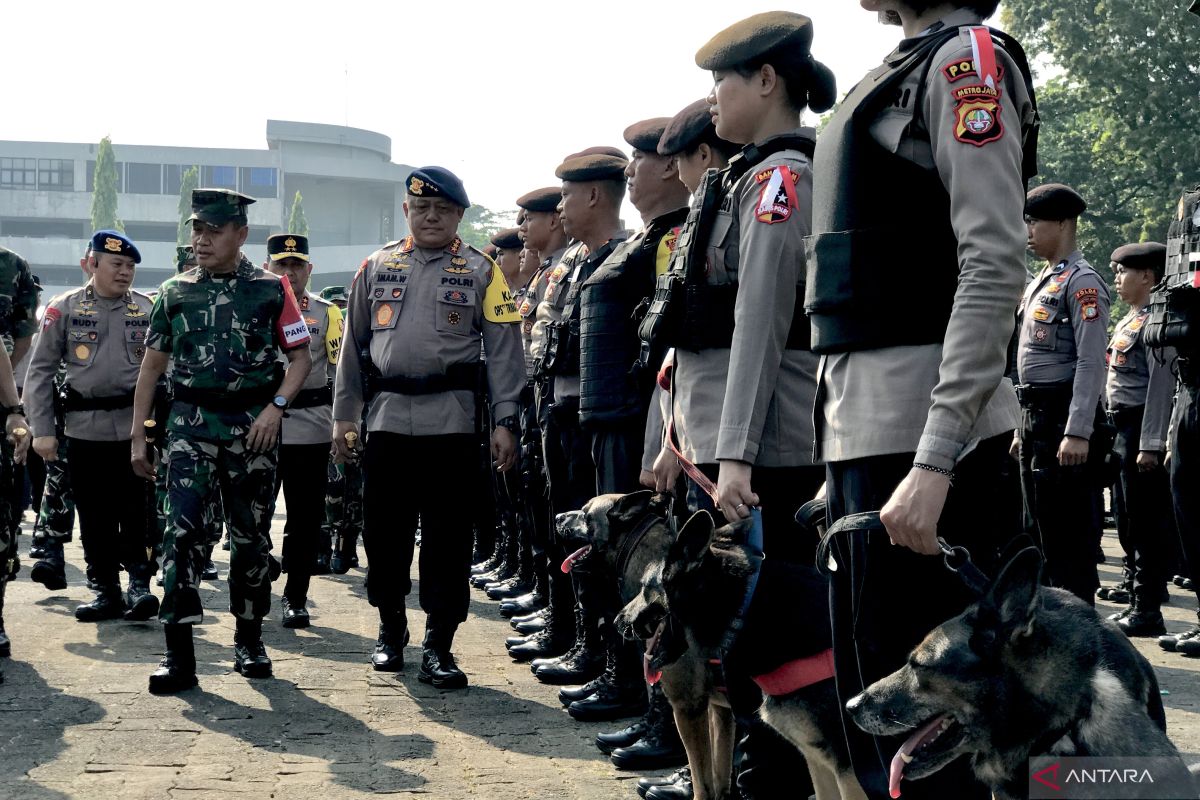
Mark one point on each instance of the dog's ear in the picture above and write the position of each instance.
(729, 545)
(1014, 594)
(688, 548)
(629, 508)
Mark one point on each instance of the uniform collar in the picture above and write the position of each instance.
(955, 19)
(90, 296)
(244, 270)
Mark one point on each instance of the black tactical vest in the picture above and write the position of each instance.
(611, 389)
(562, 337)
(1175, 304)
(882, 243)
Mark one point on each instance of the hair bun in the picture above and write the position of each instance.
(822, 89)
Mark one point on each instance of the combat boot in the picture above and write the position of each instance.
(1120, 593)
(295, 615)
(630, 734)
(646, 784)
(492, 561)
(1139, 622)
(1170, 642)
(681, 789)
(582, 663)
(37, 547)
(345, 554)
(321, 565)
(525, 604)
(659, 747)
(553, 640)
(580, 635)
(5, 643)
(50, 571)
(389, 647)
(140, 605)
(569, 694)
(108, 604)
(249, 654)
(210, 572)
(177, 670)
(621, 692)
(437, 662)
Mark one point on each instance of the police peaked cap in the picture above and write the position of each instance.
(507, 239)
(686, 128)
(287, 245)
(754, 36)
(541, 199)
(437, 182)
(1143, 255)
(1054, 202)
(646, 134)
(115, 243)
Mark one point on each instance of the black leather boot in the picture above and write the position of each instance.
(249, 654)
(177, 670)
(437, 662)
(630, 734)
(295, 615)
(210, 572)
(553, 640)
(324, 554)
(140, 605)
(50, 571)
(525, 604)
(345, 553)
(393, 638)
(569, 694)
(530, 623)
(582, 662)
(108, 604)
(621, 691)
(660, 747)
(644, 785)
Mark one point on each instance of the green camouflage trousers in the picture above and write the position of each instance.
(56, 515)
(199, 474)
(10, 519)
(343, 500)
(212, 514)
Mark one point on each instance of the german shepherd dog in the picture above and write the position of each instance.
(683, 599)
(1027, 671)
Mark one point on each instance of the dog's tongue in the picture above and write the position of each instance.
(652, 675)
(906, 750)
(571, 559)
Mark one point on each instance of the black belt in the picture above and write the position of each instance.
(1031, 395)
(459, 377)
(1121, 416)
(231, 402)
(313, 398)
(74, 401)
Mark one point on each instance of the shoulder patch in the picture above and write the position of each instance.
(498, 303)
(1087, 291)
(666, 248)
(51, 316)
(977, 106)
(778, 196)
(965, 68)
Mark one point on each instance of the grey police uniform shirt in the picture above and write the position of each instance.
(101, 341)
(552, 296)
(1141, 376)
(533, 336)
(313, 425)
(939, 400)
(1063, 321)
(419, 312)
(753, 402)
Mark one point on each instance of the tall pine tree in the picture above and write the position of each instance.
(104, 189)
(297, 222)
(187, 182)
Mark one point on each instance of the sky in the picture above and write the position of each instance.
(496, 91)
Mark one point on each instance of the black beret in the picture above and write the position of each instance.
(507, 239)
(490, 250)
(541, 199)
(287, 245)
(1143, 255)
(645, 135)
(685, 128)
(753, 36)
(1054, 202)
(592, 167)
(115, 242)
(437, 182)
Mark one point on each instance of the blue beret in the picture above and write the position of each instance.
(116, 243)
(437, 182)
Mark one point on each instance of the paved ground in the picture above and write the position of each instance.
(76, 720)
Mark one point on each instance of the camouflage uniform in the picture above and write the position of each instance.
(223, 335)
(343, 505)
(18, 320)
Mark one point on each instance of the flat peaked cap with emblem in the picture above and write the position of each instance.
(437, 182)
(541, 199)
(753, 36)
(1143, 255)
(646, 134)
(593, 164)
(287, 245)
(116, 243)
(507, 239)
(1054, 202)
(218, 206)
(334, 293)
(686, 128)
(184, 257)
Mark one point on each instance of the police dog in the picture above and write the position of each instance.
(1026, 671)
(686, 604)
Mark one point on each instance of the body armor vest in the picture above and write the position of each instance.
(611, 389)
(687, 312)
(562, 337)
(1175, 304)
(882, 242)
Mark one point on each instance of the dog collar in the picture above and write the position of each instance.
(634, 540)
(795, 675)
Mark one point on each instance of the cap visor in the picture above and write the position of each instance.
(282, 256)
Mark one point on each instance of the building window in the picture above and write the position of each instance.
(218, 177)
(143, 178)
(56, 174)
(18, 173)
(260, 181)
(91, 176)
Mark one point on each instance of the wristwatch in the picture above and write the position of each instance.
(280, 402)
(19, 408)
(510, 422)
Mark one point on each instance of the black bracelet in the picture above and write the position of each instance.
(19, 408)
(949, 473)
(511, 423)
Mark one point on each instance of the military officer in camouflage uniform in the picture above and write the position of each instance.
(1060, 365)
(419, 311)
(99, 333)
(343, 489)
(15, 319)
(220, 326)
(304, 451)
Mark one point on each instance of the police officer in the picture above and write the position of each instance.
(1060, 365)
(691, 139)
(304, 446)
(220, 326)
(99, 332)
(420, 308)
(1138, 397)
(913, 276)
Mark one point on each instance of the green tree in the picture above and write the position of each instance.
(188, 181)
(104, 189)
(479, 223)
(297, 222)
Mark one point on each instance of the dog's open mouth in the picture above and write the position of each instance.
(652, 661)
(930, 747)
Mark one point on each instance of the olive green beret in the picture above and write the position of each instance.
(1143, 255)
(753, 36)
(644, 135)
(507, 239)
(686, 127)
(592, 167)
(1054, 202)
(546, 199)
